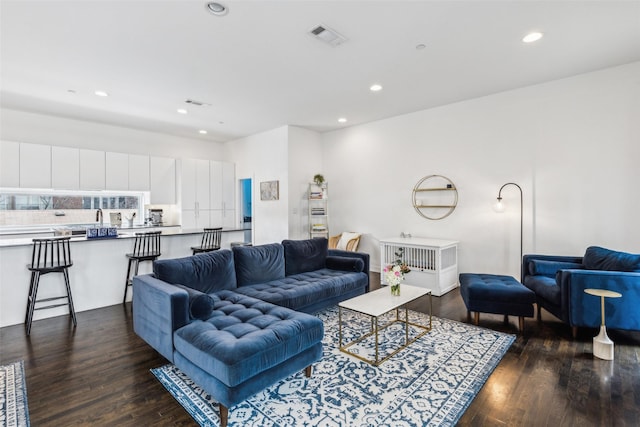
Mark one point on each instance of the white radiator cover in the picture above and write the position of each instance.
(433, 262)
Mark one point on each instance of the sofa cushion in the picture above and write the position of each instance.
(246, 336)
(207, 272)
(544, 287)
(547, 268)
(597, 258)
(302, 256)
(258, 264)
(344, 263)
(200, 304)
(305, 289)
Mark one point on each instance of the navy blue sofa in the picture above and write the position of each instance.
(559, 283)
(236, 320)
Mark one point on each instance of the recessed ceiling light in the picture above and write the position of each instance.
(182, 111)
(420, 46)
(101, 93)
(216, 8)
(342, 120)
(532, 37)
(202, 131)
(375, 88)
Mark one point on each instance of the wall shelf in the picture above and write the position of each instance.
(435, 197)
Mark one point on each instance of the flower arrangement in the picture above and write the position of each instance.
(394, 273)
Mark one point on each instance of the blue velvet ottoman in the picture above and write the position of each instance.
(491, 293)
(245, 346)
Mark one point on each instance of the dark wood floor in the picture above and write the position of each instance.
(98, 374)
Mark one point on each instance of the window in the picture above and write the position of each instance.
(64, 207)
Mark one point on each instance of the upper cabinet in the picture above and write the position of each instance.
(9, 164)
(92, 170)
(163, 180)
(35, 166)
(139, 172)
(116, 171)
(28, 165)
(65, 168)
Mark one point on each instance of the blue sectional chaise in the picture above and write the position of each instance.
(235, 321)
(559, 283)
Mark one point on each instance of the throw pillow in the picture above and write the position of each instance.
(345, 238)
(302, 256)
(258, 264)
(208, 272)
(200, 305)
(597, 258)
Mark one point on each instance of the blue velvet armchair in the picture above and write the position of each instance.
(559, 283)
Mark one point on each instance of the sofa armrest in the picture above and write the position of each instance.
(363, 256)
(584, 309)
(159, 308)
(342, 263)
(557, 258)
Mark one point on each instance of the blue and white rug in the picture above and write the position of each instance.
(431, 382)
(13, 396)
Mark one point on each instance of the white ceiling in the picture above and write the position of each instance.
(259, 69)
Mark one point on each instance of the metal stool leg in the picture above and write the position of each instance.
(32, 301)
(126, 282)
(30, 297)
(72, 310)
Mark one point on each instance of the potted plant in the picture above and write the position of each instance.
(318, 179)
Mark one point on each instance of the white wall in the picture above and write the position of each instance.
(305, 160)
(37, 128)
(264, 157)
(573, 145)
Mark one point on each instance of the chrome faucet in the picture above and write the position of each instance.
(99, 217)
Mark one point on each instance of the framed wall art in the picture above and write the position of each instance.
(269, 190)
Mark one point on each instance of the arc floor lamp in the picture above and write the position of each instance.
(500, 208)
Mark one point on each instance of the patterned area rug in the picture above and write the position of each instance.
(13, 396)
(431, 382)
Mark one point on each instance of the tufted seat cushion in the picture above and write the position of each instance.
(305, 289)
(544, 287)
(245, 336)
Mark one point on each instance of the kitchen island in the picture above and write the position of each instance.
(98, 273)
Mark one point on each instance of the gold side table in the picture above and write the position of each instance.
(602, 344)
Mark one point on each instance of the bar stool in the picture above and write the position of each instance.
(210, 241)
(49, 256)
(146, 247)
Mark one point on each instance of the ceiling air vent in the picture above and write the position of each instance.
(197, 103)
(327, 35)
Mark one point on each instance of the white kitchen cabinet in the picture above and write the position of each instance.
(92, 170)
(65, 168)
(228, 186)
(223, 194)
(163, 180)
(138, 172)
(116, 171)
(35, 166)
(9, 164)
(195, 193)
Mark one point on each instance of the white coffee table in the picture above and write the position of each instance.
(377, 303)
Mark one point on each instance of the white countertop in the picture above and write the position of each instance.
(123, 233)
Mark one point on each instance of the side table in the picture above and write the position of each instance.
(602, 345)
